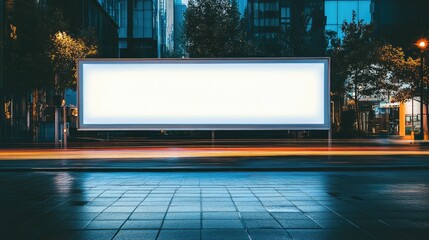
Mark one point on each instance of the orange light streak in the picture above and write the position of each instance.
(150, 153)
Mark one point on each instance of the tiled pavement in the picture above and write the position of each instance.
(220, 205)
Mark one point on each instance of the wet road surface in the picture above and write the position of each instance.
(199, 156)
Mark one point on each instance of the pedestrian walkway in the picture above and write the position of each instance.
(214, 205)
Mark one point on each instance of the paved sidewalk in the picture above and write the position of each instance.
(221, 205)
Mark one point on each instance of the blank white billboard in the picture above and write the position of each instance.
(196, 94)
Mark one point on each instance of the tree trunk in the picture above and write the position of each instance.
(357, 111)
(388, 111)
(340, 107)
(337, 111)
(56, 127)
(35, 115)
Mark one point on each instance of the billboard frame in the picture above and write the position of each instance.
(186, 127)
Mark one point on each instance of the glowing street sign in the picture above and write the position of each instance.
(195, 94)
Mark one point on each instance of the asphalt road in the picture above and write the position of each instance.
(225, 155)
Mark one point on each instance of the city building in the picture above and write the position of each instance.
(167, 25)
(146, 27)
(179, 11)
(301, 22)
(242, 4)
(338, 11)
(137, 21)
(401, 22)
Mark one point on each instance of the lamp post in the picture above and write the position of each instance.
(63, 104)
(422, 45)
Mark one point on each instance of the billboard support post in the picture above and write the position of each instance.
(213, 136)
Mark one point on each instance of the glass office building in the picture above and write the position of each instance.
(338, 11)
(401, 22)
(141, 33)
(137, 26)
(290, 27)
(179, 11)
(268, 18)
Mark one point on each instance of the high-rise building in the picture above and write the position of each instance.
(242, 4)
(338, 11)
(137, 21)
(266, 18)
(300, 21)
(167, 25)
(179, 11)
(401, 22)
(146, 27)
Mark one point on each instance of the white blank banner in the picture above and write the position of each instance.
(203, 94)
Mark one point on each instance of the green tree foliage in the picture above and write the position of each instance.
(401, 79)
(364, 67)
(64, 52)
(359, 58)
(338, 74)
(40, 48)
(28, 65)
(356, 64)
(212, 28)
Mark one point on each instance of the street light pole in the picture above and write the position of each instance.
(422, 134)
(422, 44)
(64, 124)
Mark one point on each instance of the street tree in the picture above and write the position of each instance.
(356, 59)
(38, 50)
(32, 25)
(401, 79)
(397, 71)
(364, 67)
(212, 28)
(63, 53)
(338, 75)
(28, 70)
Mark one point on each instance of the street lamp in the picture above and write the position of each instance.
(63, 104)
(422, 44)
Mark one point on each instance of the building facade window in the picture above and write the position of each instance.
(338, 11)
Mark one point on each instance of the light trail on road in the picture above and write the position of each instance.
(202, 152)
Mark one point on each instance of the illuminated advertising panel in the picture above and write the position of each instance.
(203, 94)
